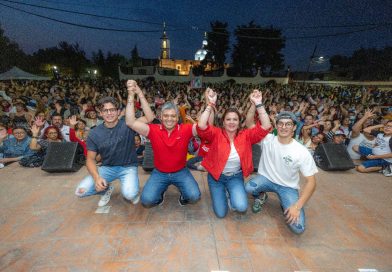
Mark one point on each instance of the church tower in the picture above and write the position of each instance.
(202, 52)
(165, 44)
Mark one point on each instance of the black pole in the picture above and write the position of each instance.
(310, 60)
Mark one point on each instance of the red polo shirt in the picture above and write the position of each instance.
(170, 151)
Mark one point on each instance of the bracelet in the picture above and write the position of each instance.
(34, 137)
(212, 105)
(259, 105)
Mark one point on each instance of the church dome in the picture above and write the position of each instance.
(200, 54)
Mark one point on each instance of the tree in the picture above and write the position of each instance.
(10, 53)
(74, 57)
(365, 64)
(99, 61)
(218, 42)
(65, 55)
(108, 66)
(257, 47)
(112, 62)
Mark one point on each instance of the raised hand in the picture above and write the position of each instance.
(256, 97)
(39, 121)
(35, 130)
(211, 96)
(131, 87)
(368, 114)
(73, 121)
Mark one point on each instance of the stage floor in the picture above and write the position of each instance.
(45, 227)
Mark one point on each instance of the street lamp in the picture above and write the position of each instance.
(56, 73)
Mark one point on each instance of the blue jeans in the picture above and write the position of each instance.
(158, 183)
(127, 175)
(234, 185)
(365, 151)
(287, 196)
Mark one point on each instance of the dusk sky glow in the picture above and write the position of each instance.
(188, 20)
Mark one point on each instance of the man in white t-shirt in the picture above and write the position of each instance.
(359, 137)
(282, 158)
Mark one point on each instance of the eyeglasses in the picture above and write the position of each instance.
(387, 126)
(106, 111)
(288, 124)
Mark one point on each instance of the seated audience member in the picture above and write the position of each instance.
(40, 145)
(339, 137)
(51, 134)
(20, 114)
(315, 141)
(57, 120)
(3, 136)
(17, 147)
(360, 137)
(379, 157)
(90, 117)
(81, 130)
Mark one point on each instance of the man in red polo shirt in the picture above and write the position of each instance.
(169, 142)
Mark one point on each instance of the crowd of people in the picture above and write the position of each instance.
(212, 129)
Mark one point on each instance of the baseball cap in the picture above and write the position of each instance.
(286, 115)
(339, 132)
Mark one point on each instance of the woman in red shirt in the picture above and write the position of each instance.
(229, 159)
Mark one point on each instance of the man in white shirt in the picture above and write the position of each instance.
(282, 159)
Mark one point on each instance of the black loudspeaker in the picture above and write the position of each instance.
(148, 160)
(332, 156)
(62, 157)
(256, 154)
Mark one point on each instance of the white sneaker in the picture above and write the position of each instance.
(388, 171)
(1, 165)
(106, 197)
(136, 199)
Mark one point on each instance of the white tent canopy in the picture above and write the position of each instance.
(16, 73)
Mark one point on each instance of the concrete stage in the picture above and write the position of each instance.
(44, 227)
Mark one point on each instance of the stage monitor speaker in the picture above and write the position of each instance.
(148, 160)
(62, 157)
(332, 156)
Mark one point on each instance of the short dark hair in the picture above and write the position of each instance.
(106, 100)
(56, 114)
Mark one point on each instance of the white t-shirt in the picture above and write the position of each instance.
(382, 146)
(281, 163)
(233, 163)
(359, 140)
